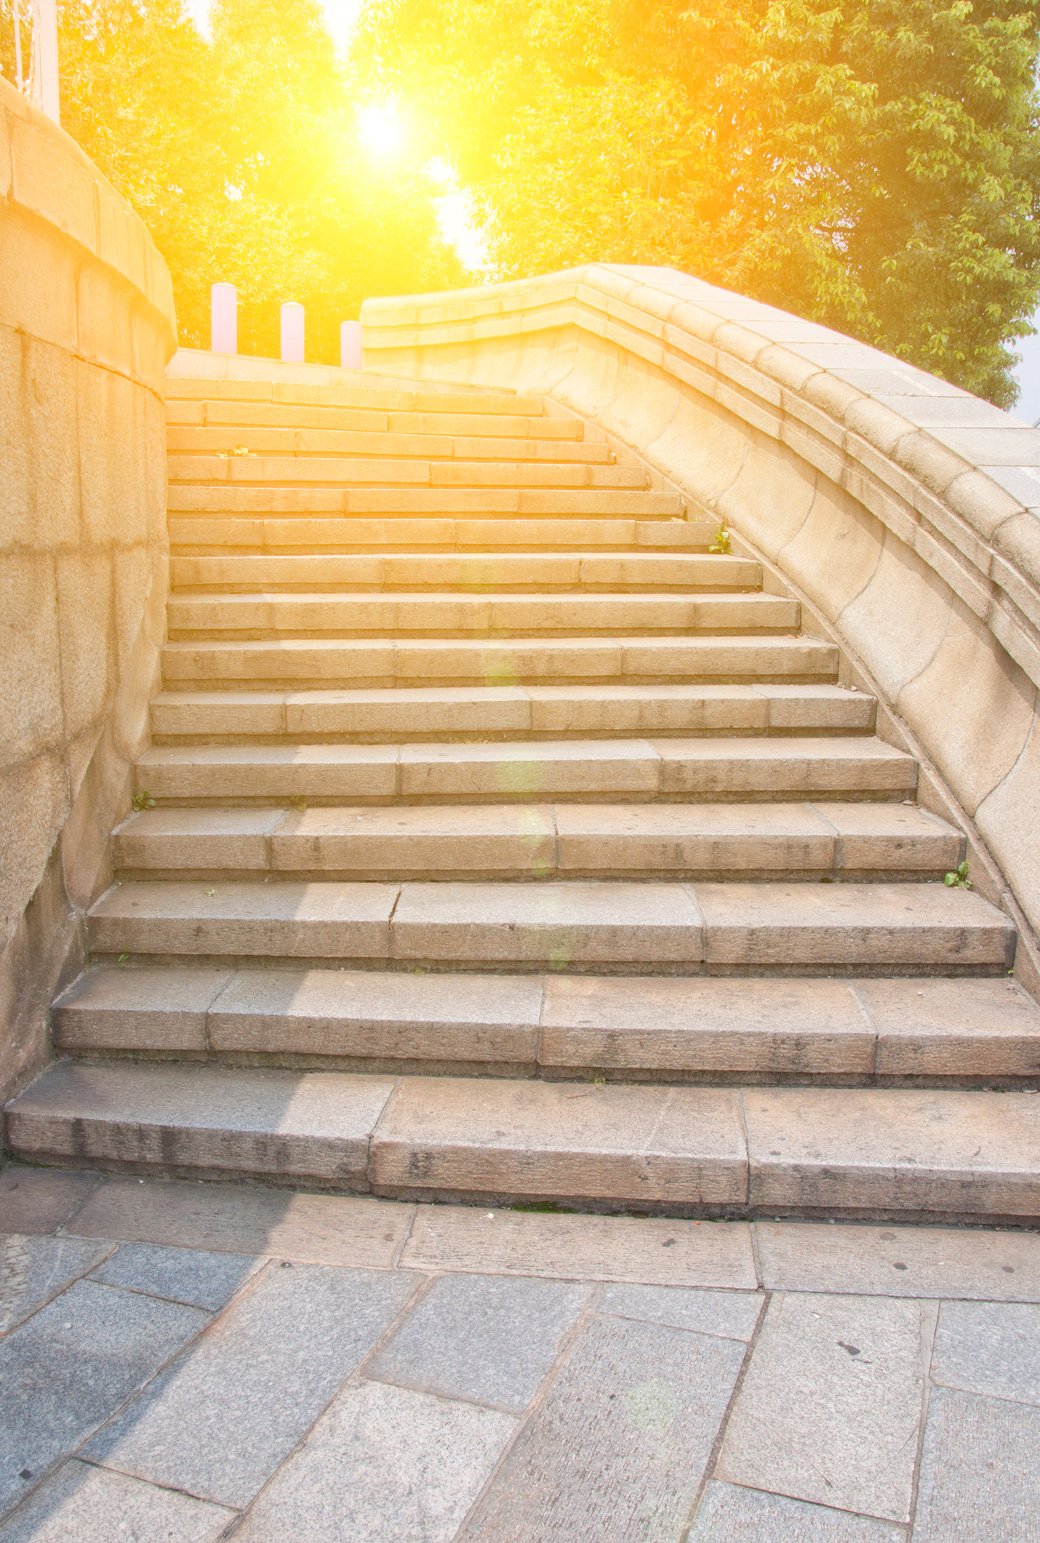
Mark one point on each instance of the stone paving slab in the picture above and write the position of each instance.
(421, 1462)
(40, 1199)
(35, 1269)
(618, 1447)
(730, 1514)
(71, 1366)
(218, 1422)
(92, 1505)
(187, 1275)
(486, 1338)
(729, 1314)
(978, 1471)
(829, 1408)
(989, 1347)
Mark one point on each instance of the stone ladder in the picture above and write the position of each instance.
(499, 842)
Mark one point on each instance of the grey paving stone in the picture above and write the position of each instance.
(40, 1199)
(183, 1274)
(383, 1463)
(730, 1514)
(484, 1337)
(618, 1447)
(831, 1403)
(729, 1314)
(92, 1505)
(34, 1269)
(979, 1468)
(221, 1419)
(989, 1347)
(70, 1367)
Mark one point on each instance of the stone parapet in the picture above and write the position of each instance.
(86, 328)
(905, 512)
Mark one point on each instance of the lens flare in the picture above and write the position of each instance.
(381, 129)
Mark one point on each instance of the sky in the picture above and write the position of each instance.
(340, 16)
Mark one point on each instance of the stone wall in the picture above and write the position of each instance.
(905, 512)
(86, 327)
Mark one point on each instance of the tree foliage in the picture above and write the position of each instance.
(873, 164)
(241, 154)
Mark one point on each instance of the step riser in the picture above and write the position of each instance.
(184, 440)
(243, 417)
(391, 502)
(203, 535)
(418, 573)
(218, 471)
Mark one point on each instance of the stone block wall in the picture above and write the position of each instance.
(903, 511)
(86, 328)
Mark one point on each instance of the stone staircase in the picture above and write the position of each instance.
(497, 841)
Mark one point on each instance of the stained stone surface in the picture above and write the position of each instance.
(978, 1471)
(481, 1337)
(92, 1505)
(730, 1514)
(34, 1269)
(989, 1347)
(220, 1419)
(730, 1314)
(641, 1404)
(382, 1463)
(184, 1275)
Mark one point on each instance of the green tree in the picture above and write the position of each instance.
(873, 164)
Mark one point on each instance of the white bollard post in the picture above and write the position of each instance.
(292, 332)
(45, 57)
(223, 319)
(350, 345)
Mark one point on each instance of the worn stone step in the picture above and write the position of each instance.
(517, 841)
(674, 927)
(213, 534)
(634, 769)
(669, 1027)
(390, 396)
(873, 1152)
(432, 661)
(456, 712)
(339, 471)
(451, 614)
(480, 571)
(272, 439)
(391, 502)
(245, 415)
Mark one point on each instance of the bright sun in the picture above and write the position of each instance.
(381, 130)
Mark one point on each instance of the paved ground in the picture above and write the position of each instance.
(187, 1362)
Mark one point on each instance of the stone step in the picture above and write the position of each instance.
(281, 471)
(245, 416)
(518, 841)
(377, 396)
(406, 713)
(213, 534)
(673, 928)
(392, 502)
(450, 614)
(271, 439)
(433, 661)
(480, 571)
(899, 1153)
(572, 770)
(671, 1028)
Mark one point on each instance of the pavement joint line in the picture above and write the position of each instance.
(928, 1360)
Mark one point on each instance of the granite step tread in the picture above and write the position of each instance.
(415, 712)
(287, 439)
(276, 469)
(708, 767)
(542, 840)
(494, 661)
(390, 397)
(468, 571)
(667, 1027)
(849, 1152)
(677, 928)
(546, 503)
(273, 533)
(450, 613)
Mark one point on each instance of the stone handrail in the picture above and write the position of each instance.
(86, 327)
(903, 510)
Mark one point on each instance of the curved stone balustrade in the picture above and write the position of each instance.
(86, 327)
(906, 512)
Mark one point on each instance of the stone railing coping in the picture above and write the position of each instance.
(45, 173)
(953, 476)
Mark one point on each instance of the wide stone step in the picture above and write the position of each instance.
(245, 415)
(633, 769)
(467, 571)
(383, 470)
(213, 534)
(517, 841)
(271, 439)
(672, 1028)
(489, 712)
(389, 396)
(852, 1152)
(564, 924)
(390, 661)
(450, 614)
(391, 502)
